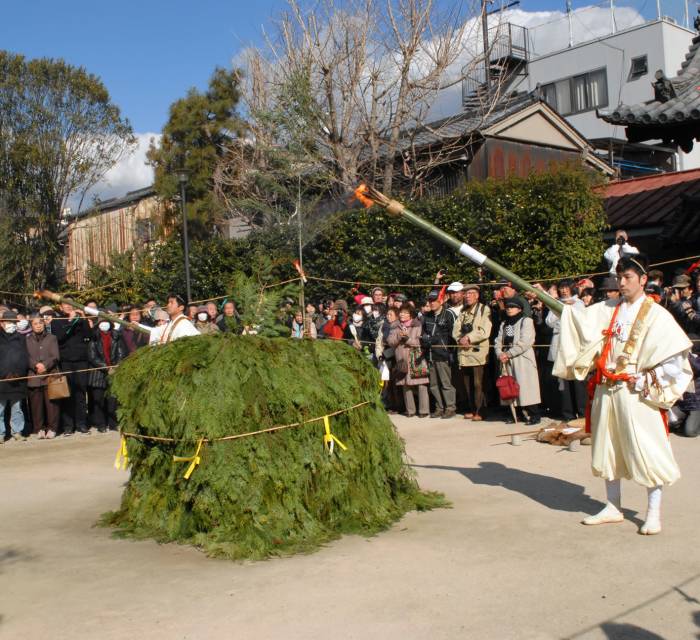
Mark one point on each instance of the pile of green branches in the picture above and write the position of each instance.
(269, 494)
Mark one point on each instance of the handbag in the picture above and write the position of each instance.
(57, 387)
(507, 385)
(508, 388)
(417, 365)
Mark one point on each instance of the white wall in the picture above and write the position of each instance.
(664, 44)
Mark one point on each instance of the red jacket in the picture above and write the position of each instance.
(333, 330)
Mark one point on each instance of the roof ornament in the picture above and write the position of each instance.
(663, 87)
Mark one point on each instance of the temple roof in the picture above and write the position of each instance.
(674, 114)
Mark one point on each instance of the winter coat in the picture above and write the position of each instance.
(96, 358)
(133, 340)
(41, 348)
(475, 324)
(437, 335)
(229, 324)
(73, 338)
(14, 363)
(402, 349)
(691, 399)
(334, 330)
(523, 365)
(298, 329)
(554, 323)
(382, 350)
(206, 328)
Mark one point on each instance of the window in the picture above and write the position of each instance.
(638, 68)
(579, 93)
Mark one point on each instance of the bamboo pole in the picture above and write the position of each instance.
(89, 311)
(370, 196)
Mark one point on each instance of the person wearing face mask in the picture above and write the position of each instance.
(42, 348)
(373, 322)
(204, 322)
(105, 351)
(23, 327)
(355, 331)
(14, 363)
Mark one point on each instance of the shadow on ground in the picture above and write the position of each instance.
(549, 491)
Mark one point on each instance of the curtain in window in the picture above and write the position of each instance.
(579, 93)
(563, 97)
(597, 87)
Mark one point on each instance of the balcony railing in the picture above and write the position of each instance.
(507, 48)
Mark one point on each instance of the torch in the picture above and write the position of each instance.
(55, 297)
(370, 196)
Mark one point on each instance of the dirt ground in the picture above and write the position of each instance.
(509, 560)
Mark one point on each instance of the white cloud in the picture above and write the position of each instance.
(130, 173)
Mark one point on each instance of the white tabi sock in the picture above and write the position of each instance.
(652, 525)
(611, 511)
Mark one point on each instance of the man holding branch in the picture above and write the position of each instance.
(638, 356)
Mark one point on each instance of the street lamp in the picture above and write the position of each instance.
(182, 178)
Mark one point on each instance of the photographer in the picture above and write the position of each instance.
(621, 249)
(335, 326)
(682, 307)
(471, 331)
(436, 339)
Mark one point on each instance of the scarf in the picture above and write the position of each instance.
(509, 329)
(106, 337)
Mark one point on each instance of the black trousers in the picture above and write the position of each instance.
(104, 409)
(573, 399)
(74, 409)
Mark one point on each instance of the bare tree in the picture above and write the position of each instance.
(348, 87)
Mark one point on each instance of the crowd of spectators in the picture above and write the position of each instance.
(439, 356)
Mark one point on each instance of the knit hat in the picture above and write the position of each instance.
(160, 315)
(341, 304)
(515, 302)
(45, 309)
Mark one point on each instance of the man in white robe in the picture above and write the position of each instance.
(638, 355)
(179, 325)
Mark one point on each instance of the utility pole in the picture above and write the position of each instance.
(182, 176)
(485, 32)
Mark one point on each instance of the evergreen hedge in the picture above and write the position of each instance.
(269, 494)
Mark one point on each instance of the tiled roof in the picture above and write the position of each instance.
(466, 123)
(682, 109)
(650, 201)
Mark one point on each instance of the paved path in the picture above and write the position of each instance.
(509, 560)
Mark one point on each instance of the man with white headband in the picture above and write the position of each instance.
(638, 356)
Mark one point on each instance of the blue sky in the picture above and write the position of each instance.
(149, 53)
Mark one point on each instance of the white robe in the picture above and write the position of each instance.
(179, 327)
(628, 433)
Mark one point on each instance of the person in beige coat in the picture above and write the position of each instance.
(471, 332)
(404, 338)
(513, 348)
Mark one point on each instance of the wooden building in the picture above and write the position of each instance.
(521, 134)
(113, 226)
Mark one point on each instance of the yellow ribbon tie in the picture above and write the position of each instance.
(329, 439)
(193, 460)
(122, 458)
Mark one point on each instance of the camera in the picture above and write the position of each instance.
(467, 327)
